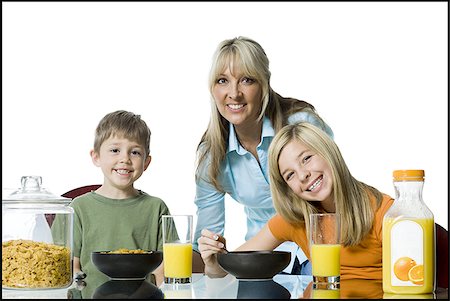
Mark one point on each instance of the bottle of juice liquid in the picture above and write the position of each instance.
(408, 238)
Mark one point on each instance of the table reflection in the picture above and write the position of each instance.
(356, 289)
(262, 289)
(115, 289)
(361, 289)
(318, 293)
(409, 297)
(178, 291)
(127, 289)
(228, 287)
(347, 289)
(326, 291)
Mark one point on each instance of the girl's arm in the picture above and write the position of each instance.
(262, 241)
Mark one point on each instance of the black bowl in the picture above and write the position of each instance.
(254, 264)
(127, 266)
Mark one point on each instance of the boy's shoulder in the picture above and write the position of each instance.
(150, 198)
(87, 199)
(82, 198)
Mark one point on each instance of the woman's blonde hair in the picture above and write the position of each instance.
(351, 197)
(123, 124)
(250, 58)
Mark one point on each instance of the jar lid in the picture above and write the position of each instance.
(32, 192)
(409, 175)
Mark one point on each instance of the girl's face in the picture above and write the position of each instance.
(122, 162)
(306, 173)
(238, 98)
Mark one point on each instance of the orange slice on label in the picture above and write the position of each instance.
(415, 274)
(402, 267)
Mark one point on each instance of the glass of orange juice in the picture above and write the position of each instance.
(177, 248)
(325, 233)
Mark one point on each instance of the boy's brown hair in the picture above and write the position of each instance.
(124, 124)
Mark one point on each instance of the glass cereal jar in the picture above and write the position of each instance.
(37, 238)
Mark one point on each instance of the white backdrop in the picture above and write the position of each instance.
(375, 71)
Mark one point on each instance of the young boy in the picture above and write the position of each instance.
(117, 215)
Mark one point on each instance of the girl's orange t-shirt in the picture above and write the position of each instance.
(363, 261)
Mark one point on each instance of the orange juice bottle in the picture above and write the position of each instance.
(408, 238)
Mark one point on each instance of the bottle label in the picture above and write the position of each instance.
(406, 254)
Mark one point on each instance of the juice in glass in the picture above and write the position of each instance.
(408, 250)
(326, 260)
(324, 241)
(177, 260)
(177, 248)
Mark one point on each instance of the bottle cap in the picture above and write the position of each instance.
(409, 175)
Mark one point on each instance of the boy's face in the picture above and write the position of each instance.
(122, 161)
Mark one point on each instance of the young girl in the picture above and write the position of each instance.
(308, 175)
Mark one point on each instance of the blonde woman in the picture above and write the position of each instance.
(232, 155)
(308, 175)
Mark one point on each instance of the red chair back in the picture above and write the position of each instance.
(72, 194)
(80, 190)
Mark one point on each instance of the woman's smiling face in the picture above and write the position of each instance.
(238, 97)
(306, 173)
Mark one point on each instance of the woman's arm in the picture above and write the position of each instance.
(76, 265)
(210, 209)
(159, 274)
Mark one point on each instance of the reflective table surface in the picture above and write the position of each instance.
(202, 287)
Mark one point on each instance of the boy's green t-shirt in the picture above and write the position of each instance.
(104, 224)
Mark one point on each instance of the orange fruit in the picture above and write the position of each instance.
(402, 267)
(415, 274)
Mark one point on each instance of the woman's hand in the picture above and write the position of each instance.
(209, 244)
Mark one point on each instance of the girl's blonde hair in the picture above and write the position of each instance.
(249, 57)
(123, 124)
(351, 197)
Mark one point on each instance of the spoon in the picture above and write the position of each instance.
(222, 240)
